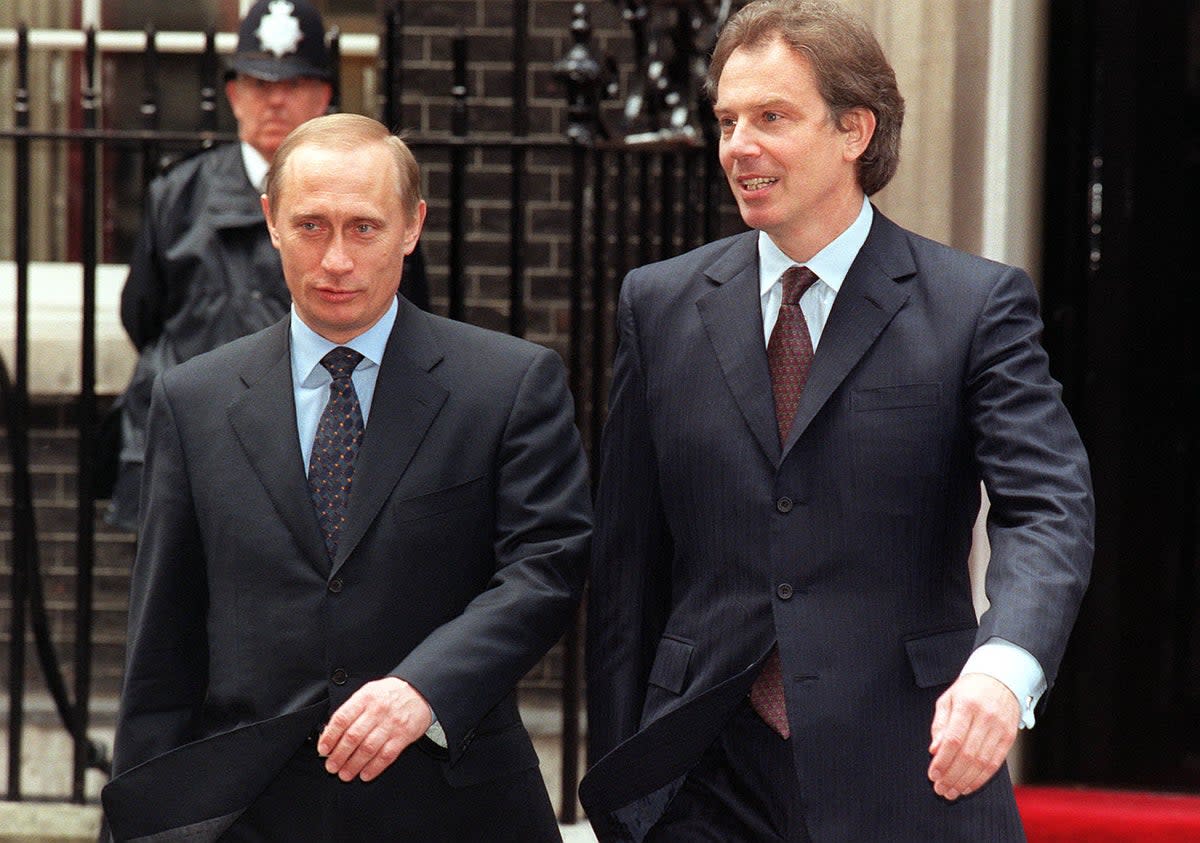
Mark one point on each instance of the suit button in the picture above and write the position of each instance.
(784, 505)
(784, 591)
(335, 585)
(339, 677)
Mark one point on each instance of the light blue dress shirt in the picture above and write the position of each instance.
(310, 386)
(1011, 664)
(311, 380)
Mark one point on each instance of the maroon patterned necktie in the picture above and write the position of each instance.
(790, 350)
(789, 356)
(339, 436)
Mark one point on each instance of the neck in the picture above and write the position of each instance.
(804, 238)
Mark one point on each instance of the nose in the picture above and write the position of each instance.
(337, 260)
(740, 141)
(277, 93)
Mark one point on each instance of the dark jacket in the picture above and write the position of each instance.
(203, 272)
(847, 545)
(460, 563)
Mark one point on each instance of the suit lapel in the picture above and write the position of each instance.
(407, 399)
(264, 420)
(869, 298)
(732, 317)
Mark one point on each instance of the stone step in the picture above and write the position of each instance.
(48, 822)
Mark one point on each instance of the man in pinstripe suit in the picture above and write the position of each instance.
(782, 640)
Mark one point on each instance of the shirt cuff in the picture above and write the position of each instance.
(435, 732)
(1016, 668)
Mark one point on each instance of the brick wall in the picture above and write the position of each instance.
(53, 457)
(427, 103)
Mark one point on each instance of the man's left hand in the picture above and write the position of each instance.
(974, 725)
(370, 730)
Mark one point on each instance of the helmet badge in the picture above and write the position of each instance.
(279, 31)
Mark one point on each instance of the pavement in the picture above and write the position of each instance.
(46, 814)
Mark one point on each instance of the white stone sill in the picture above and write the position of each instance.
(56, 327)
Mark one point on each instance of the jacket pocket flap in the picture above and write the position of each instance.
(895, 397)
(491, 756)
(460, 496)
(938, 658)
(671, 664)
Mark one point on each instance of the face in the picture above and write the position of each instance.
(267, 111)
(792, 170)
(342, 233)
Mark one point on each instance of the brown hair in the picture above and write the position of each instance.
(849, 65)
(348, 132)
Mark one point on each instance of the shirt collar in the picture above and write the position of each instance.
(831, 264)
(256, 167)
(308, 347)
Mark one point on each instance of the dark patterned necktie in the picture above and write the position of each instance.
(789, 356)
(790, 350)
(339, 436)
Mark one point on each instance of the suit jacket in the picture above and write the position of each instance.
(461, 562)
(848, 545)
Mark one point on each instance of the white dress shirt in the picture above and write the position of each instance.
(256, 167)
(1009, 663)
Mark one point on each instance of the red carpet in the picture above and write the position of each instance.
(1078, 815)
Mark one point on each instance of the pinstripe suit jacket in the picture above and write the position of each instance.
(848, 545)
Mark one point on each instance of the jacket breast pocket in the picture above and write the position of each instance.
(896, 397)
(897, 438)
(938, 657)
(459, 496)
(671, 663)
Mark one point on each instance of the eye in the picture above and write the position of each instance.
(772, 117)
(364, 228)
(726, 124)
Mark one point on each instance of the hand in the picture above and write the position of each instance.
(370, 730)
(974, 725)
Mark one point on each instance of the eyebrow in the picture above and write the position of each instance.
(769, 102)
(307, 214)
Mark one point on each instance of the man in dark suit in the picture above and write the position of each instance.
(203, 270)
(334, 657)
(782, 641)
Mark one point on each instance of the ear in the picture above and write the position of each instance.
(413, 234)
(231, 94)
(266, 209)
(858, 127)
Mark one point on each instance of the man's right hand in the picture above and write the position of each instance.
(370, 730)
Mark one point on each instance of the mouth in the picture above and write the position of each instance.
(751, 185)
(335, 296)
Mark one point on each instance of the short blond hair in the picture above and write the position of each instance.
(348, 132)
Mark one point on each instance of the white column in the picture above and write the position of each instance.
(1013, 154)
(89, 13)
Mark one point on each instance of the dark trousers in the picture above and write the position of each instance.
(410, 801)
(744, 790)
